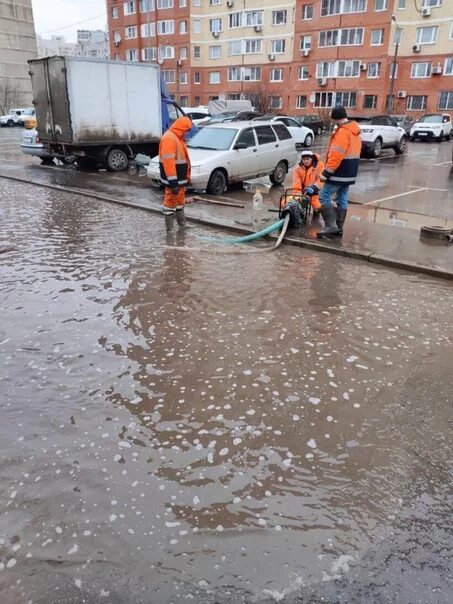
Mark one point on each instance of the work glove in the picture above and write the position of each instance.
(174, 189)
(312, 190)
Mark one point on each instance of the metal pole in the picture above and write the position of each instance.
(390, 102)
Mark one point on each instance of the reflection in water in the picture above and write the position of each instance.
(178, 423)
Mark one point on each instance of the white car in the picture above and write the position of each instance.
(198, 115)
(436, 125)
(301, 134)
(236, 151)
(31, 145)
(382, 132)
(16, 117)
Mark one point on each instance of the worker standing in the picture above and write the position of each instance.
(342, 165)
(174, 164)
(306, 177)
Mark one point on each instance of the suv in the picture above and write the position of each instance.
(434, 125)
(224, 153)
(382, 132)
(314, 122)
(16, 117)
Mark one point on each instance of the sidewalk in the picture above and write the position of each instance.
(373, 242)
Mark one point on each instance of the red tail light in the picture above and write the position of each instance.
(37, 139)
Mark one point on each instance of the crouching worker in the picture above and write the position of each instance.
(306, 177)
(174, 164)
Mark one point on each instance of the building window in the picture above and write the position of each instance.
(130, 32)
(146, 6)
(347, 99)
(131, 54)
(252, 47)
(147, 30)
(166, 27)
(197, 52)
(254, 17)
(348, 69)
(377, 37)
(252, 74)
(129, 8)
(214, 2)
(339, 7)
(401, 4)
(235, 20)
(234, 74)
(183, 101)
(196, 26)
(416, 102)
(183, 53)
(234, 96)
(307, 12)
(115, 12)
(215, 52)
(373, 70)
(279, 17)
(275, 102)
(182, 4)
(196, 77)
(215, 25)
(197, 101)
(326, 69)
(183, 77)
(276, 75)
(301, 102)
(380, 5)
(305, 43)
(431, 3)
(370, 101)
(161, 4)
(214, 77)
(393, 70)
(166, 52)
(421, 70)
(277, 47)
(448, 66)
(168, 75)
(149, 54)
(234, 48)
(323, 99)
(341, 37)
(303, 72)
(446, 100)
(426, 35)
(183, 27)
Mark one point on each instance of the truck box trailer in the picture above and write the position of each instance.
(100, 110)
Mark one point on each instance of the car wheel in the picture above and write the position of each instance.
(217, 183)
(439, 139)
(412, 139)
(10, 123)
(116, 160)
(402, 146)
(279, 174)
(308, 140)
(319, 131)
(376, 149)
(448, 136)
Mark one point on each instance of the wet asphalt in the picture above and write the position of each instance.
(188, 423)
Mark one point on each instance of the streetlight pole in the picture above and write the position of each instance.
(390, 101)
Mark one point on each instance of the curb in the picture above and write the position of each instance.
(304, 243)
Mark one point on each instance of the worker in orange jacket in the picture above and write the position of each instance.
(174, 164)
(306, 177)
(340, 171)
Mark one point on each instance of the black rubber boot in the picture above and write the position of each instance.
(169, 221)
(329, 216)
(181, 218)
(341, 217)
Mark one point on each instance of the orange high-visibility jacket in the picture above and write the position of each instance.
(343, 154)
(303, 177)
(174, 162)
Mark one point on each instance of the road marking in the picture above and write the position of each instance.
(430, 188)
(442, 163)
(394, 196)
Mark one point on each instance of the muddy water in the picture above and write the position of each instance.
(180, 424)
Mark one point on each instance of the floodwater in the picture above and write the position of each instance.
(184, 423)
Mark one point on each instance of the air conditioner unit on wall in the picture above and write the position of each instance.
(230, 3)
(306, 52)
(258, 28)
(426, 12)
(215, 34)
(437, 70)
(322, 81)
(363, 66)
(416, 48)
(401, 94)
(271, 57)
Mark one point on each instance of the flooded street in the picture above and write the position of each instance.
(188, 423)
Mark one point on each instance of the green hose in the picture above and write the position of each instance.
(270, 229)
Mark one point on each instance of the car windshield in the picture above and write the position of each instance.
(216, 139)
(431, 119)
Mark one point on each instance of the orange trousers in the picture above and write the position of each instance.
(172, 201)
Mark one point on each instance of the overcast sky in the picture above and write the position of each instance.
(63, 17)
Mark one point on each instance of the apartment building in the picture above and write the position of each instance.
(304, 56)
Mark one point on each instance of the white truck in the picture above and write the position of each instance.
(16, 117)
(100, 111)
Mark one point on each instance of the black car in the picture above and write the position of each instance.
(314, 122)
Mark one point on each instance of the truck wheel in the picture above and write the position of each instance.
(116, 160)
(401, 146)
(279, 174)
(217, 183)
(10, 123)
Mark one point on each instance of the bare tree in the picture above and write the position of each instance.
(260, 99)
(9, 95)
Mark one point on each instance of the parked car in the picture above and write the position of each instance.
(31, 145)
(232, 116)
(434, 125)
(314, 122)
(405, 121)
(301, 134)
(233, 152)
(382, 132)
(198, 115)
(16, 117)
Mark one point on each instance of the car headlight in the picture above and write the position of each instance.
(367, 130)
